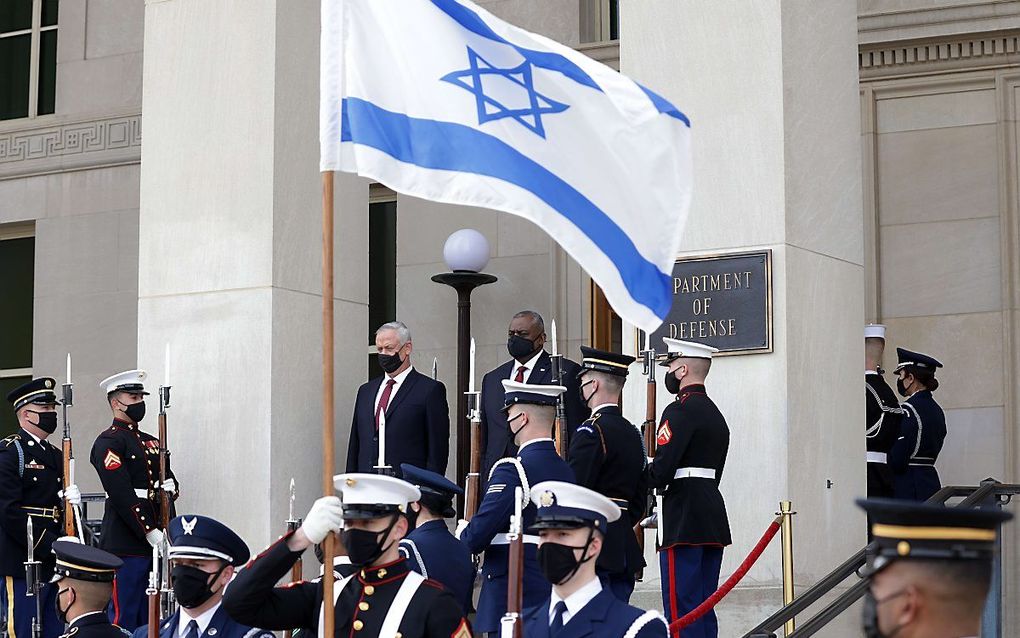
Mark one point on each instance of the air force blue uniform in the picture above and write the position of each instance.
(221, 626)
(605, 616)
(922, 432)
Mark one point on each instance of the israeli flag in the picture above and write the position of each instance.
(441, 100)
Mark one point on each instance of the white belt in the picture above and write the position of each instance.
(695, 472)
(142, 493)
(502, 539)
(878, 457)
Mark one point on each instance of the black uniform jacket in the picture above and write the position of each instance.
(496, 440)
(608, 456)
(253, 600)
(127, 460)
(692, 434)
(882, 430)
(30, 491)
(922, 432)
(94, 625)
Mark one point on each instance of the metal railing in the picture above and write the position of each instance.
(990, 492)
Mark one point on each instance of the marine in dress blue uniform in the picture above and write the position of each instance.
(84, 579)
(127, 460)
(429, 548)
(608, 456)
(692, 442)
(31, 475)
(203, 550)
(531, 411)
(922, 431)
(572, 522)
(929, 568)
(883, 414)
(384, 598)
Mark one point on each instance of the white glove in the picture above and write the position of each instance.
(155, 538)
(326, 515)
(70, 539)
(169, 486)
(461, 526)
(72, 494)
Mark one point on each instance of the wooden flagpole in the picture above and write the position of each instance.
(329, 546)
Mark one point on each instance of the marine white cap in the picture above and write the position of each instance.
(127, 381)
(676, 349)
(373, 495)
(874, 331)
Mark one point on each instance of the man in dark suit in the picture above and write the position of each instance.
(529, 363)
(408, 407)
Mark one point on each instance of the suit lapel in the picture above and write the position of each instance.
(402, 391)
(588, 620)
(218, 623)
(542, 373)
(169, 627)
(46, 454)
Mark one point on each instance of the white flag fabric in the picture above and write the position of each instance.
(441, 100)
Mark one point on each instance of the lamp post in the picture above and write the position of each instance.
(466, 253)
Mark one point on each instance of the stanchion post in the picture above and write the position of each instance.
(786, 511)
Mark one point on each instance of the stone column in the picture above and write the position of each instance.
(229, 250)
(771, 91)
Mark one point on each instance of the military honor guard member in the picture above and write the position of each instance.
(929, 567)
(531, 411)
(127, 460)
(692, 440)
(608, 456)
(83, 579)
(31, 478)
(429, 547)
(529, 363)
(922, 430)
(203, 556)
(884, 414)
(571, 523)
(385, 598)
(413, 406)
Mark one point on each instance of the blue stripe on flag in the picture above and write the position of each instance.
(543, 59)
(455, 147)
(665, 106)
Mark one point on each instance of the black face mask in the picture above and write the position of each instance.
(558, 563)
(520, 347)
(364, 547)
(870, 616)
(62, 613)
(135, 411)
(390, 363)
(672, 383)
(580, 390)
(191, 585)
(47, 421)
(513, 432)
(901, 388)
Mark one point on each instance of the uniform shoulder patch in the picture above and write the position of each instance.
(664, 434)
(9, 441)
(584, 427)
(111, 461)
(462, 630)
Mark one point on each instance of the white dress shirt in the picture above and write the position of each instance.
(528, 367)
(527, 443)
(399, 381)
(203, 620)
(576, 601)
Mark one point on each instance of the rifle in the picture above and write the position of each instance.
(152, 591)
(510, 625)
(648, 426)
(560, 433)
(33, 581)
(68, 453)
(292, 525)
(166, 599)
(471, 483)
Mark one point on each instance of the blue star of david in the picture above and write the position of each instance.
(470, 79)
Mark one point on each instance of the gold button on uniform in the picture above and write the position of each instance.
(382, 573)
(363, 606)
(369, 590)
(358, 625)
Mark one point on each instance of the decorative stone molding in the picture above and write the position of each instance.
(69, 145)
(607, 53)
(982, 50)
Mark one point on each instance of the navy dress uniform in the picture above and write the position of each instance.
(77, 563)
(203, 538)
(882, 427)
(430, 549)
(383, 600)
(922, 432)
(127, 461)
(693, 440)
(31, 475)
(536, 461)
(591, 611)
(607, 455)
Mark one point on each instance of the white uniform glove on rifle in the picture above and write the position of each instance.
(169, 486)
(326, 515)
(461, 526)
(155, 538)
(72, 495)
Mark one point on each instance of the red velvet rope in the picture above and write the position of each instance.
(676, 626)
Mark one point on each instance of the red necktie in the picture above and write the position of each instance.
(384, 401)
(520, 374)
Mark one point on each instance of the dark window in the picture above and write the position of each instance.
(48, 72)
(15, 61)
(382, 272)
(614, 19)
(17, 263)
(20, 37)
